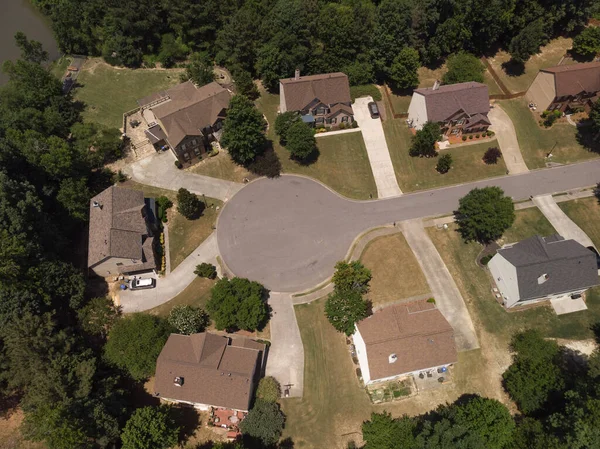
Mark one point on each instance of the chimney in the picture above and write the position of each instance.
(392, 358)
(297, 74)
(436, 85)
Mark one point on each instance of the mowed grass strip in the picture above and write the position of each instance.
(528, 222)
(334, 405)
(585, 212)
(550, 55)
(537, 142)
(109, 91)
(196, 294)
(343, 163)
(396, 272)
(475, 286)
(221, 166)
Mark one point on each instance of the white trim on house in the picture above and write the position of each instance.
(361, 355)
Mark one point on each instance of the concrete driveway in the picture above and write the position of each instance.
(286, 353)
(377, 149)
(289, 232)
(503, 126)
(561, 222)
(159, 170)
(447, 296)
(173, 284)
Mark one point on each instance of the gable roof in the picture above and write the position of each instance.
(329, 88)
(568, 265)
(445, 101)
(188, 109)
(415, 331)
(117, 226)
(575, 78)
(215, 370)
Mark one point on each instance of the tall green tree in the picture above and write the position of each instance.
(200, 69)
(384, 432)
(345, 308)
(300, 140)
(150, 428)
(527, 42)
(587, 43)
(264, 422)
(351, 276)
(243, 130)
(403, 72)
(463, 67)
(424, 140)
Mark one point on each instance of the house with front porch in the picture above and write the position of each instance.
(459, 108)
(320, 99)
(566, 87)
(185, 118)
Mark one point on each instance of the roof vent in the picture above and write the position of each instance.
(178, 382)
(543, 278)
(436, 85)
(97, 204)
(392, 358)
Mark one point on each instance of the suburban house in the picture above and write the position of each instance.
(404, 339)
(566, 87)
(540, 268)
(458, 108)
(320, 99)
(185, 118)
(122, 224)
(209, 370)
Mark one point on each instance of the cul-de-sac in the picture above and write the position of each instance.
(300, 224)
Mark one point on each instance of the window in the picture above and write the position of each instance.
(345, 118)
(461, 121)
(319, 120)
(321, 111)
(184, 146)
(119, 264)
(194, 141)
(334, 121)
(186, 156)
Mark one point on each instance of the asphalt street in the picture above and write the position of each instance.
(288, 232)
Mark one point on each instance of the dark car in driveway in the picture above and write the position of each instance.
(373, 109)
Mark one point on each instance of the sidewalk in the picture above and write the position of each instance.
(339, 131)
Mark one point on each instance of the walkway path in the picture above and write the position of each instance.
(289, 232)
(379, 155)
(286, 353)
(561, 222)
(159, 170)
(503, 126)
(339, 131)
(447, 296)
(173, 284)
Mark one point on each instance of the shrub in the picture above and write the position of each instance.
(464, 138)
(489, 133)
(187, 319)
(477, 136)
(206, 270)
(485, 259)
(444, 163)
(470, 136)
(164, 204)
(551, 118)
(268, 389)
(188, 204)
(178, 164)
(354, 124)
(492, 155)
(120, 176)
(431, 300)
(342, 125)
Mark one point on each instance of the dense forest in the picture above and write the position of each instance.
(270, 38)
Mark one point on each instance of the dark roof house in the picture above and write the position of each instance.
(450, 102)
(403, 339)
(543, 267)
(120, 238)
(206, 369)
(309, 94)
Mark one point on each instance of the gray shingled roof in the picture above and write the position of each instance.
(568, 265)
(445, 101)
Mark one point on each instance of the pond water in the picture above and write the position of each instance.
(20, 15)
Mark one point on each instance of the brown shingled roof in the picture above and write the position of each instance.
(117, 225)
(214, 372)
(329, 88)
(416, 332)
(189, 109)
(445, 101)
(576, 78)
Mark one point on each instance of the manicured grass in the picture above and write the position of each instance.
(185, 235)
(333, 404)
(196, 294)
(585, 212)
(528, 222)
(108, 91)
(475, 286)
(493, 88)
(400, 102)
(549, 56)
(342, 164)
(221, 166)
(396, 272)
(365, 90)
(59, 67)
(536, 142)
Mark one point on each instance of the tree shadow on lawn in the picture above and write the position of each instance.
(589, 139)
(266, 164)
(513, 68)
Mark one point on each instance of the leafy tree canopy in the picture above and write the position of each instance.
(527, 42)
(268, 389)
(187, 319)
(300, 140)
(188, 204)
(345, 308)
(243, 130)
(264, 422)
(150, 428)
(351, 276)
(423, 142)
(403, 72)
(463, 67)
(587, 43)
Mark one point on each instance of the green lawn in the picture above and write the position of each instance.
(550, 55)
(196, 294)
(585, 213)
(475, 286)
(415, 173)
(536, 142)
(109, 91)
(343, 163)
(221, 166)
(528, 223)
